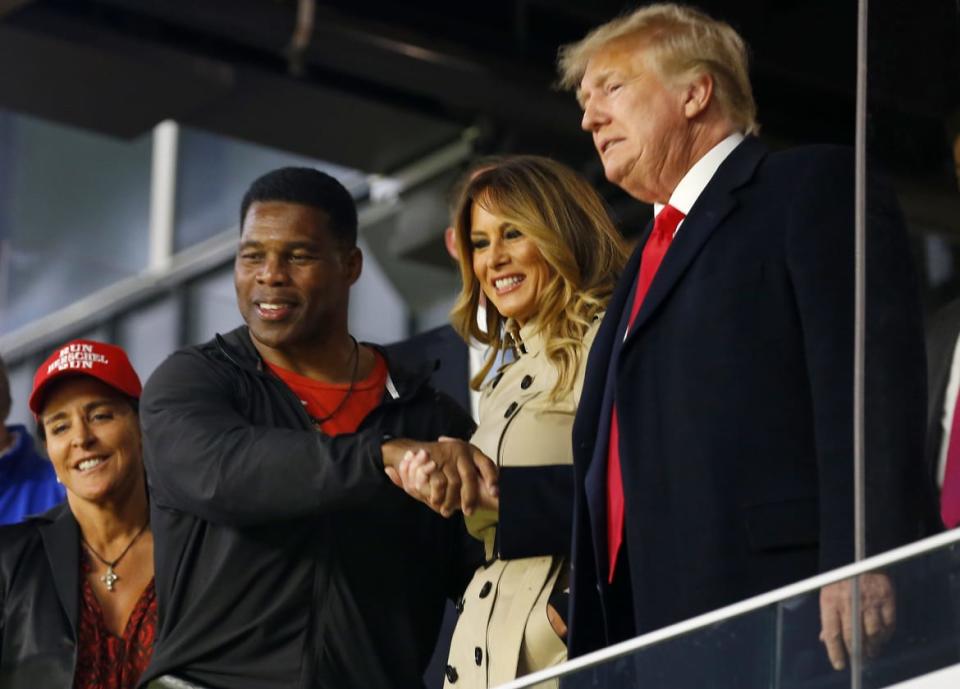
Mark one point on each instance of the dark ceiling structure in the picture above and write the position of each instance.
(375, 85)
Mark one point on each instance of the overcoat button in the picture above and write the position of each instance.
(485, 590)
(478, 655)
(496, 379)
(526, 382)
(512, 408)
(451, 673)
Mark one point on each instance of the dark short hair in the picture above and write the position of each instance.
(307, 187)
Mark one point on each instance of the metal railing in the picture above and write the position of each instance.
(785, 593)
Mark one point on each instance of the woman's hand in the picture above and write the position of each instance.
(413, 474)
(556, 621)
(420, 476)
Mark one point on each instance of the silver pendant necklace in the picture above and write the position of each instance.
(111, 578)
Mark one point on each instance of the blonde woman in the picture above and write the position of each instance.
(536, 244)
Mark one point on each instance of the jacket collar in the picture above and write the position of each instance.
(714, 204)
(238, 348)
(527, 340)
(61, 541)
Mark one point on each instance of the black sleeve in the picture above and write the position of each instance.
(204, 458)
(820, 254)
(536, 511)
(466, 554)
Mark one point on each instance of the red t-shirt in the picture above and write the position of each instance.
(106, 661)
(320, 399)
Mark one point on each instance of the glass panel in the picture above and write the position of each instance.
(212, 305)
(377, 311)
(213, 172)
(912, 215)
(74, 214)
(150, 333)
(21, 382)
(778, 646)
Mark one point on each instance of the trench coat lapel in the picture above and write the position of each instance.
(61, 542)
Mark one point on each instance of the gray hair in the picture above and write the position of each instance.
(681, 41)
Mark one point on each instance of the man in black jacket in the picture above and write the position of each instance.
(284, 556)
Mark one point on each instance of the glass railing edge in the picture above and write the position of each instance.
(880, 561)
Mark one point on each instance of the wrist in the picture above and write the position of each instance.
(392, 450)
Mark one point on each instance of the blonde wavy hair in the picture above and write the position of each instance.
(569, 224)
(681, 41)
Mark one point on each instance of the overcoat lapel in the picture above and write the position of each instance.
(605, 348)
(597, 397)
(61, 542)
(714, 204)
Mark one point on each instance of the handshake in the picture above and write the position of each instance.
(446, 475)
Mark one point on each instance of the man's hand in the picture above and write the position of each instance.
(877, 608)
(447, 475)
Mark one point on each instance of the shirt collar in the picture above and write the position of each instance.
(699, 176)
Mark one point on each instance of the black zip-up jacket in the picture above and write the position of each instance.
(39, 601)
(284, 557)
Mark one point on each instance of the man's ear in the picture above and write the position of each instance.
(353, 262)
(697, 95)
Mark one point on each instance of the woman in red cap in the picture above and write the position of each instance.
(77, 603)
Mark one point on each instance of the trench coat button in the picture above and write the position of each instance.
(512, 408)
(451, 673)
(526, 382)
(496, 379)
(478, 655)
(485, 589)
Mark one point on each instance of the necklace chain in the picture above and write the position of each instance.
(111, 578)
(353, 379)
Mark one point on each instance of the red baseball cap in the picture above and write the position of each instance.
(105, 362)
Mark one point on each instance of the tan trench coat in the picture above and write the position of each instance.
(503, 630)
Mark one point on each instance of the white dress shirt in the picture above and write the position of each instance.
(696, 180)
(699, 176)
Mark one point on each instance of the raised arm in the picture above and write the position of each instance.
(205, 458)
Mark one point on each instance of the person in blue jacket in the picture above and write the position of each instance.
(28, 484)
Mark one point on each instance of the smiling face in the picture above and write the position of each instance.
(93, 440)
(508, 265)
(637, 121)
(292, 277)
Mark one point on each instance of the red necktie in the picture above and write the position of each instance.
(664, 227)
(950, 493)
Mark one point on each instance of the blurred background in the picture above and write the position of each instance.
(129, 130)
